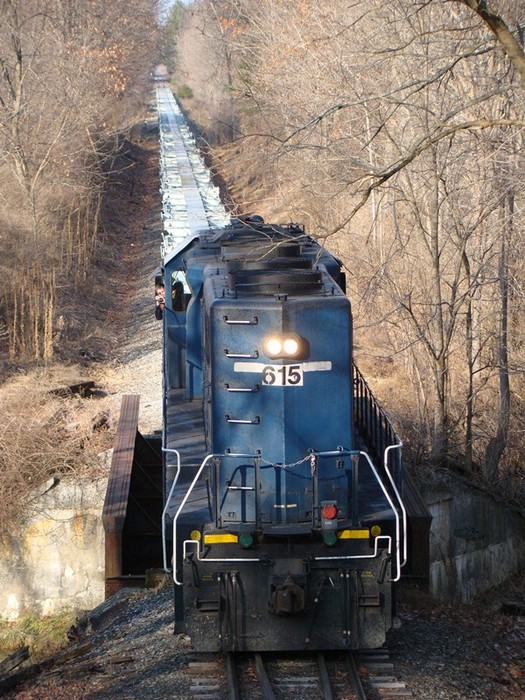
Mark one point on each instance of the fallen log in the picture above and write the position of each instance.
(70, 653)
(18, 677)
(513, 607)
(82, 388)
(9, 680)
(13, 660)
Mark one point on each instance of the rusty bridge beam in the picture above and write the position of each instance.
(117, 494)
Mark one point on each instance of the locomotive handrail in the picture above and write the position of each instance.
(373, 421)
(331, 453)
(401, 505)
(242, 356)
(179, 510)
(341, 451)
(166, 507)
(242, 389)
(375, 425)
(232, 560)
(399, 562)
(360, 453)
(234, 322)
(205, 462)
(374, 555)
(243, 421)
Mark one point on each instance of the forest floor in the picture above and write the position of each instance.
(454, 652)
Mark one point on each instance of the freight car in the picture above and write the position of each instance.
(284, 519)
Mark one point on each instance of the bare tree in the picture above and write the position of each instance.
(394, 129)
(68, 79)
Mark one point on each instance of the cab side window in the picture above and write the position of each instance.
(180, 292)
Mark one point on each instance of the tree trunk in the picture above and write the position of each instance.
(498, 443)
(440, 438)
(469, 350)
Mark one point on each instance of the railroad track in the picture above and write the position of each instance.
(314, 676)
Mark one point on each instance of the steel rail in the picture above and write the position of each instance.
(324, 678)
(353, 673)
(231, 674)
(264, 681)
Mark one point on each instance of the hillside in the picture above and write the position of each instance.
(109, 338)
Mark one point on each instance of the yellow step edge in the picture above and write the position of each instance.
(220, 538)
(353, 534)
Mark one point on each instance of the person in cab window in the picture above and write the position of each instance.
(160, 301)
(177, 296)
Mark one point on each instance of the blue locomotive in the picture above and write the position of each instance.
(284, 509)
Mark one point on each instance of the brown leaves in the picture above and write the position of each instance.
(41, 437)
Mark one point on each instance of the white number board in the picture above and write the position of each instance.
(282, 375)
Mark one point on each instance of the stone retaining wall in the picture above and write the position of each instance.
(57, 562)
(475, 542)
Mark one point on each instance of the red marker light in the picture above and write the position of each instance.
(329, 512)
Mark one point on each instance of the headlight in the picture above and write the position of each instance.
(273, 346)
(291, 347)
(285, 345)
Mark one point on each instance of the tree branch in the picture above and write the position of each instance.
(441, 132)
(501, 31)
